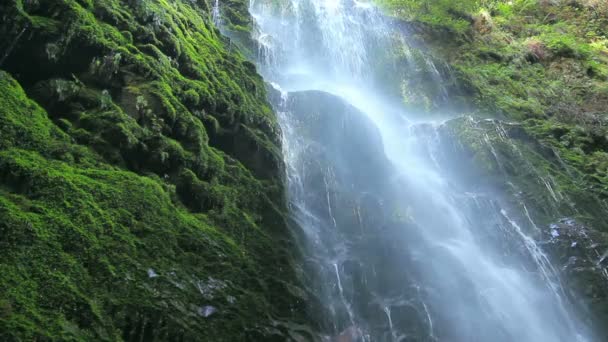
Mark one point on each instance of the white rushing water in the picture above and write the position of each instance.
(396, 247)
(215, 13)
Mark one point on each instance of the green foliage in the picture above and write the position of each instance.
(521, 59)
(442, 13)
(545, 64)
(540, 63)
(565, 45)
(529, 59)
(505, 87)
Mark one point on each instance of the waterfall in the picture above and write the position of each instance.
(215, 13)
(395, 244)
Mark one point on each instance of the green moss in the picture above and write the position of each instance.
(565, 45)
(441, 13)
(100, 231)
(117, 209)
(522, 59)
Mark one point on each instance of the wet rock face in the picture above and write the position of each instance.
(581, 252)
(346, 205)
(341, 135)
(566, 207)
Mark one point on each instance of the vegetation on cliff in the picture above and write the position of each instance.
(543, 64)
(532, 75)
(140, 178)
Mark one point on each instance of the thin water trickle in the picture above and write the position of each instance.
(396, 243)
(387, 310)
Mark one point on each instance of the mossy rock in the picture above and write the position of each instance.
(131, 204)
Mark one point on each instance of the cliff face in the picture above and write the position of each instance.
(532, 78)
(141, 188)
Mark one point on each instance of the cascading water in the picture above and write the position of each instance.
(398, 246)
(215, 13)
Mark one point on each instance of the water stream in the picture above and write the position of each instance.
(396, 245)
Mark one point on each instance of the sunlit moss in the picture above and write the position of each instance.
(133, 149)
